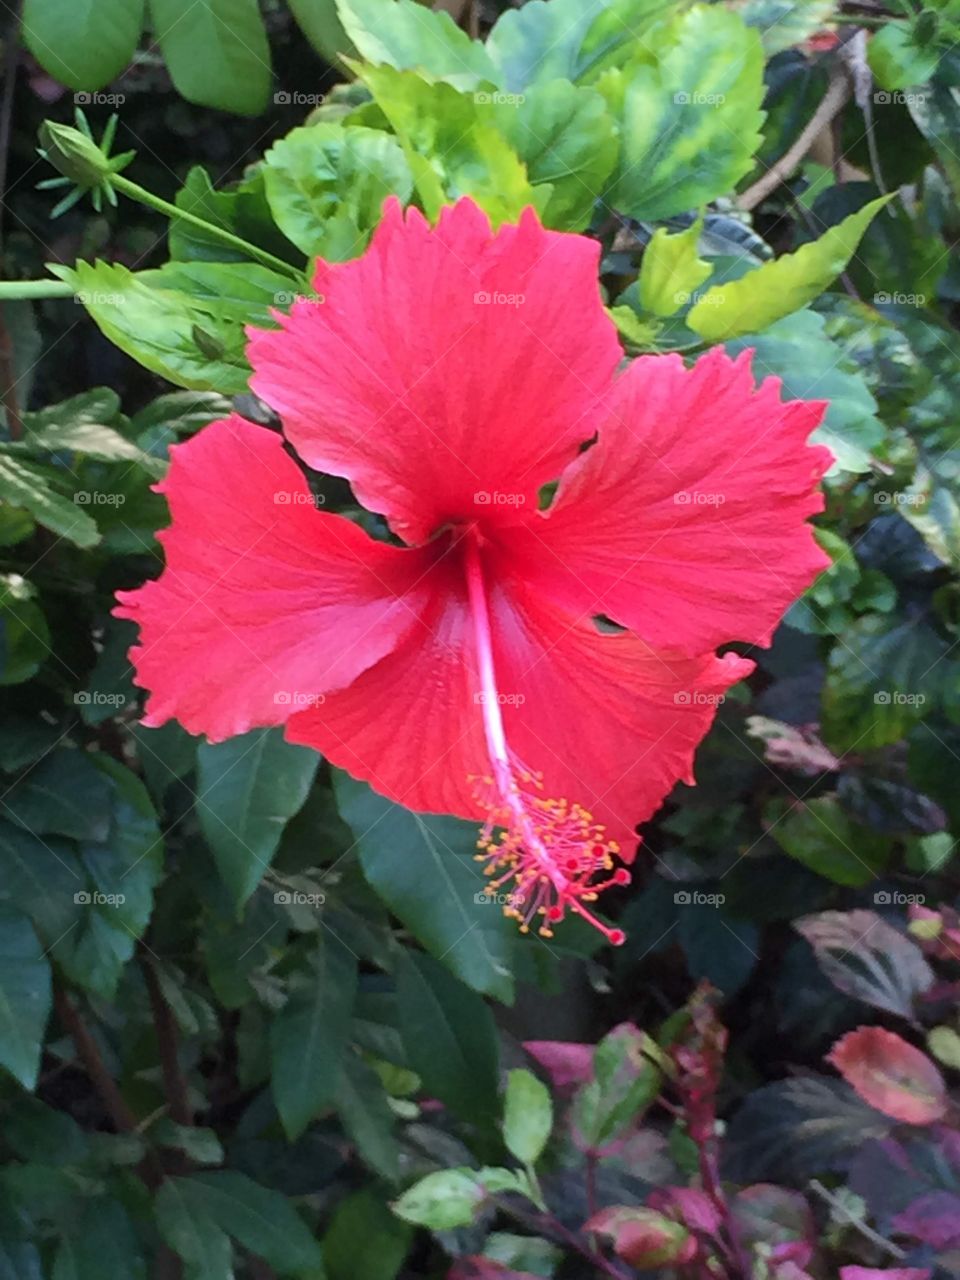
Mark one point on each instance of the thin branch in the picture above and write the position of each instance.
(834, 100)
(168, 1043)
(88, 1051)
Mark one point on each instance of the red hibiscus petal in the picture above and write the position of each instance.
(265, 602)
(891, 1074)
(609, 722)
(445, 363)
(686, 521)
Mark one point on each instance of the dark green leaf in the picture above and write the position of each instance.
(450, 1037)
(424, 870)
(247, 789)
(364, 1240)
(308, 1036)
(25, 997)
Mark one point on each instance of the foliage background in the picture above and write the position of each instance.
(246, 1007)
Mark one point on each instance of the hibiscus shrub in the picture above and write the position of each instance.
(563, 411)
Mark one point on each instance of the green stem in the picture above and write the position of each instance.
(16, 289)
(141, 194)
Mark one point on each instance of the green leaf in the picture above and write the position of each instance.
(259, 1219)
(24, 635)
(442, 1201)
(671, 269)
(216, 52)
(94, 440)
(201, 1145)
(450, 1038)
(65, 794)
(401, 853)
(896, 61)
(527, 1116)
(367, 1119)
(247, 790)
(408, 36)
(780, 287)
(320, 22)
(159, 326)
(452, 145)
(783, 23)
(944, 1044)
(813, 367)
(100, 1246)
(309, 1034)
(566, 138)
(820, 834)
(566, 39)
(885, 678)
(22, 484)
(185, 1224)
(364, 1240)
(25, 997)
(689, 113)
(326, 185)
(83, 43)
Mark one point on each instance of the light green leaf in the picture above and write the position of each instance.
(452, 144)
(408, 36)
(247, 790)
(159, 326)
(23, 484)
(261, 1220)
(25, 997)
(567, 39)
(216, 52)
(635, 332)
(671, 270)
(778, 288)
(944, 1044)
(896, 61)
(567, 139)
(400, 853)
(814, 367)
(442, 1201)
(527, 1116)
(326, 185)
(689, 110)
(450, 1038)
(309, 1035)
(83, 43)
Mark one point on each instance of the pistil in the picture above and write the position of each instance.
(552, 854)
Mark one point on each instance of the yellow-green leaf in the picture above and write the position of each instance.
(671, 270)
(778, 288)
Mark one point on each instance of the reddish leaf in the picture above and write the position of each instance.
(566, 1062)
(890, 1074)
(933, 1218)
(878, 1273)
(642, 1237)
(866, 957)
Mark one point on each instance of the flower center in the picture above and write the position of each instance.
(549, 854)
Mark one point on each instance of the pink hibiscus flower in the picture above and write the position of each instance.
(449, 373)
